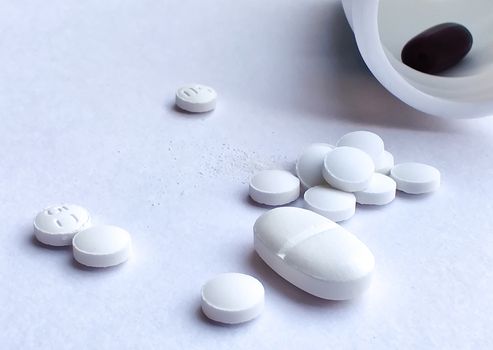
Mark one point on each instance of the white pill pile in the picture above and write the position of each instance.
(232, 298)
(196, 98)
(306, 246)
(93, 246)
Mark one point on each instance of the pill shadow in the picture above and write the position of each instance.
(413, 197)
(297, 203)
(78, 266)
(279, 284)
(218, 325)
(33, 241)
(185, 114)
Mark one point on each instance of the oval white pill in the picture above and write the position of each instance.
(348, 169)
(416, 178)
(313, 253)
(196, 98)
(380, 191)
(366, 141)
(384, 163)
(57, 225)
(274, 187)
(102, 246)
(310, 164)
(232, 298)
(333, 204)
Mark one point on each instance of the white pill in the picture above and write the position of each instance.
(415, 178)
(57, 225)
(102, 246)
(232, 298)
(310, 164)
(366, 141)
(384, 163)
(380, 191)
(196, 98)
(274, 187)
(333, 204)
(313, 253)
(348, 169)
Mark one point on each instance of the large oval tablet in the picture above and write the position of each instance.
(310, 164)
(348, 169)
(333, 204)
(313, 253)
(366, 141)
(57, 225)
(232, 298)
(102, 246)
(274, 187)
(416, 178)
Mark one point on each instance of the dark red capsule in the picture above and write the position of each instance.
(438, 48)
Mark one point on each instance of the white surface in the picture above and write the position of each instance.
(333, 204)
(310, 163)
(57, 225)
(102, 246)
(380, 191)
(314, 253)
(348, 169)
(366, 141)
(274, 187)
(232, 298)
(196, 98)
(88, 116)
(416, 178)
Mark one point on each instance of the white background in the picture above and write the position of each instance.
(86, 104)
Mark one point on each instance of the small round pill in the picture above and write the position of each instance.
(366, 141)
(348, 169)
(57, 225)
(310, 164)
(102, 246)
(333, 204)
(274, 187)
(232, 298)
(196, 98)
(380, 191)
(384, 163)
(416, 178)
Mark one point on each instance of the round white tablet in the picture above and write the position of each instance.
(310, 164)
(333, 204)
(380, 191)
(384, 163)
(364, 140)
(274, 187)
(415, 178)
(196, 98)
(102, 246)
(57, 225)
(348, 169)
(232, 298)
